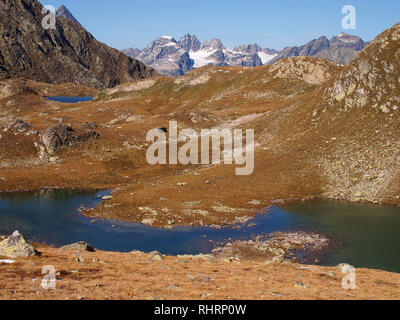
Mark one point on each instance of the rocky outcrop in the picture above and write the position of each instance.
(62, 135)
(365, 97)
(16, 246)
(79, 246)
(67, 54)
(373, 78)
(311, 70)
(15, 88)
(342, 48)
(155, 256)
(14, 124)
(18, 125)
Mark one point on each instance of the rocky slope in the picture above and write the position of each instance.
(67, 54)
(174, 58)
(83, 275)
(366, 96)
(342, 48)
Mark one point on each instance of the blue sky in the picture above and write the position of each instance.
(270, 23)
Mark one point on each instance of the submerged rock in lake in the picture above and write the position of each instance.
(17, 246)
(81, 246)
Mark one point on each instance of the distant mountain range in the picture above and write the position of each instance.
(174, 58)
(342, 48)
(71, 54)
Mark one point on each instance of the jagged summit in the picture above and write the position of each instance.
(190, 42)
(63, 12)
(342, 48)
(174, 58)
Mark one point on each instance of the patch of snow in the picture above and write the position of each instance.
(344, 37)
(171, 44)
(7, 261)
(166, 37)
(265, 58)
(201, 58)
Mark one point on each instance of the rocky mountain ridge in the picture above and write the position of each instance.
(174, 58)
(67, 54)
(342, 48)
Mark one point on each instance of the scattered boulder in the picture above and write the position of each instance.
(346, 268)
(18, 125)
(81, 246)
(106, 198)
(155, 256)
(148, 221)
(17, 246)
(273, 260)
(62, 135)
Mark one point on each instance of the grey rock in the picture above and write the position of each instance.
(18, 125)
(80, 246)
(155, 256)
(17, 246)
(346, 268)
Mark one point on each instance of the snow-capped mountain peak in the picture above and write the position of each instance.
(174, 58)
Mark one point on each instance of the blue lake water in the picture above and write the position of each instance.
(70, 99)
(369, 233)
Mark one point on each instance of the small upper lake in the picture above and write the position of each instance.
(370, 234)
(70, 99)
